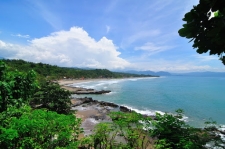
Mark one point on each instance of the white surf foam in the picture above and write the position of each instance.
(152, 112)
(110, 93)
(144, 112)
(104, 83)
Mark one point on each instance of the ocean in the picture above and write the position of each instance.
(201, 98)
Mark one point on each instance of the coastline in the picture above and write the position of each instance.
(64, 82)
(91, 111)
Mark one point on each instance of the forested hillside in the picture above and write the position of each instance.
(55, 72)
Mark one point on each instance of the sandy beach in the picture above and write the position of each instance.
(79, 90)
(72, 81)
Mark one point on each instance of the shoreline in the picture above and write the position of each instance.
(64, 82)
(89, 110)
(92, 111)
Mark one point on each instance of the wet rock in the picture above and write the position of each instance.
(103, 103)
(80, 101)
(89, 91)
(124, 109)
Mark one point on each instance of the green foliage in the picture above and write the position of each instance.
(16, 88)
(52, 97)
(207, 33)
(102, 137)
(132, 130)
(172, 132)
(38, 129)
(126, 131)
(54, 72)
(22, 127)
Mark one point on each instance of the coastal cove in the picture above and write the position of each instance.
(201, 98)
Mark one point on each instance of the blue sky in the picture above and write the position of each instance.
(112, 34)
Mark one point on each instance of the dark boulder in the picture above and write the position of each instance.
(124, 109)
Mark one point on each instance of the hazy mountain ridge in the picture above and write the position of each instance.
(148, 72)
(164, 73)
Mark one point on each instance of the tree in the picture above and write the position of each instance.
(27, 128)
(23, 127)
(52, 97)
(205, 25)
(172, 132)
(16, 88)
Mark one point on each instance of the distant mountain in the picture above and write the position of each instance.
(83, 68)
(164, 73)
(202, 74)
(148, 72)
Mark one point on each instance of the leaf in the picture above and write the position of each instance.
(213, 32)
(183, 32)
(188, 17)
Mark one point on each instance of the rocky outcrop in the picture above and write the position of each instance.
(110, 104)
(91, 92)
(80, 101)
(125, 109)
(80, 90)
(93, 112)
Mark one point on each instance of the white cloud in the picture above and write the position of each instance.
(107, 29)
(139, 36)
(151, 47)
(172, 66)
(2, 44)
(68, 48)
(21, 36)
(7, 50)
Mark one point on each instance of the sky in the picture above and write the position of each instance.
(108, 34)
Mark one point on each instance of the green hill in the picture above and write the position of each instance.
(55, 72)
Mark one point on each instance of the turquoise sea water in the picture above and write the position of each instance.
(201, 98)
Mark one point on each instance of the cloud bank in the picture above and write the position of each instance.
(74, 48)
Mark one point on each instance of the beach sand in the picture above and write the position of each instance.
(74, 81)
